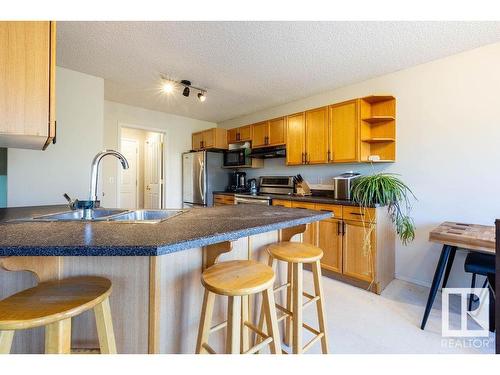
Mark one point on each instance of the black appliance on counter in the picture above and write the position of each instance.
(238, 182)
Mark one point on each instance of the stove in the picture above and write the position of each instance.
(275, 185)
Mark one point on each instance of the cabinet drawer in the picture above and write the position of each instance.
(306, 205)
(335, 209)
(281, 202)
(359, 214)
(223, 199)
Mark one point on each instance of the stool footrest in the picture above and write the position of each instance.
(312, 300)
(311, 343)
(216, 327)
(256, 330)
(259, 346)
(281, 287)
(208, 348)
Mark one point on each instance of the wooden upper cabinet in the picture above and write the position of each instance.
(260, 137)
(277, 132)
(27, 84)
(245, 133)
(344, 132)
(215, 138)
(317, 136)
(197, 140)
(241, 134)
(295, 139)
(358, 259)
(232, 135)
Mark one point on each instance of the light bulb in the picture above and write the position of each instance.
(202, 97)
(167, 87)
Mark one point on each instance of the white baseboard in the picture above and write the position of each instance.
(412, 280)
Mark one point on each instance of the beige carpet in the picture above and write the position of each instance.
(363, 322)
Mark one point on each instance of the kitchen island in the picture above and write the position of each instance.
(155, 268)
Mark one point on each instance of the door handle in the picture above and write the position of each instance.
(338, 228)
(328, 155)
(199, 182)
(302, 159)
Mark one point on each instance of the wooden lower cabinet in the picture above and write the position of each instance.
(330, 241)
(359, 246)
(223, 199)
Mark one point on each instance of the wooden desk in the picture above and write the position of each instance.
(452, 235)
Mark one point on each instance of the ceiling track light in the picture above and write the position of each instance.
(168, 86)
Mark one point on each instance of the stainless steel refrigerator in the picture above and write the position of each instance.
(202, 174)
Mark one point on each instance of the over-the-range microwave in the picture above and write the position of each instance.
(237, 158)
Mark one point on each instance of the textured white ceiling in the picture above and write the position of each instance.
(250, 66)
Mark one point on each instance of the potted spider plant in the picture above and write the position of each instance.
(386, 189)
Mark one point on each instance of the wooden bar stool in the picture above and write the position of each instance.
(238, 280)
(296, 254)
(52, 304)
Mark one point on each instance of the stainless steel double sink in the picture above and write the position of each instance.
(112, 215)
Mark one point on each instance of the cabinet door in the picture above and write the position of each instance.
(277, 132)
(282, 203)
(309, 236)
(209, 138)
(330, 241)
(359, 250)
(295, 139)
(317, 136)
(245, 133)
(260, 135)
(197, 140)
(232, 135)
(344, 132)
(26, 74)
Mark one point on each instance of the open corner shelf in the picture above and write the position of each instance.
(378, 140)
(379, 119)
(377, 98)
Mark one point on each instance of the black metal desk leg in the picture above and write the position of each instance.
(447, 271)
(491, 280)
(443, 260)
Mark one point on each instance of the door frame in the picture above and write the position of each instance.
(137, 174)
(163, 154)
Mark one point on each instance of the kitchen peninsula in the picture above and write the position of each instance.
(155, 268)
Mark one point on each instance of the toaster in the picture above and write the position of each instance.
(343, 185)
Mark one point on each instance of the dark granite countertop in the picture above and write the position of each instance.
(194, 228)
(309, 198)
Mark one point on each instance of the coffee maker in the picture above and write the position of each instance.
(238, 182)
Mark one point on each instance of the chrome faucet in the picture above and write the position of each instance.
(93, 202)
(94, 171)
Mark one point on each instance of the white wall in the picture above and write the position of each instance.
(177, 140)
(448, 147)
(41, 177)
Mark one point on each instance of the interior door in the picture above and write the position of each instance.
(295, 139)
(153, 176)
(128, 177)
(317, 136)
(344, 132)
(359, 259)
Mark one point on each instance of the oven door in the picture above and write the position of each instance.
(234, 158)
(246, 200)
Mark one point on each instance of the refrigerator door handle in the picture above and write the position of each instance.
(200, 183)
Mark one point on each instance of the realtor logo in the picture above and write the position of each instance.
(480, 314)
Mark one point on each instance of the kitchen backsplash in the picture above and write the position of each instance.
(314, 174)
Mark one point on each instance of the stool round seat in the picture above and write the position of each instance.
(295, 252)
(238, 278)
(52, 301)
